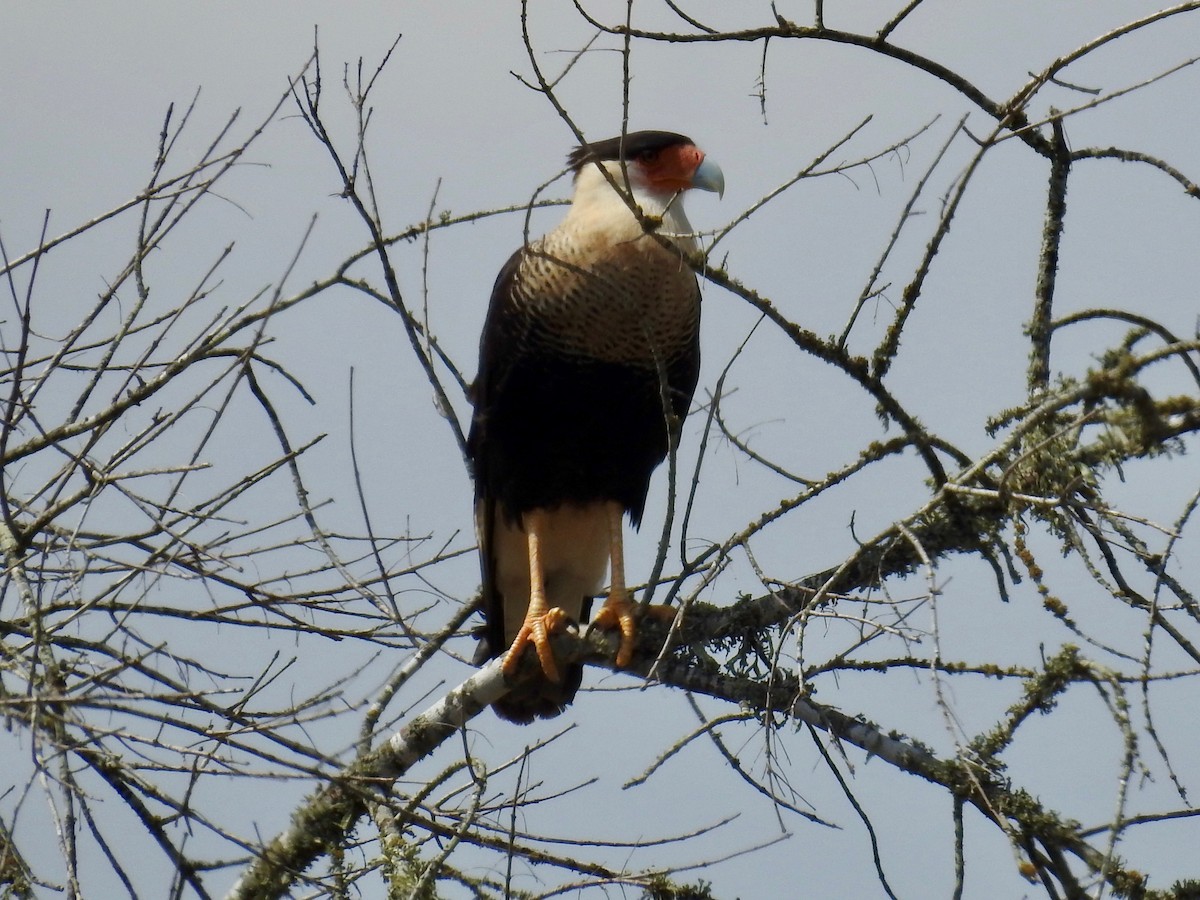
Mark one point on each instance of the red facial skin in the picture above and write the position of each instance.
(670, 170)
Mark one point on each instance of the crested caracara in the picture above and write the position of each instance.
(587, 363)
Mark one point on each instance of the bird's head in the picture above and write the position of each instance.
(660, 164)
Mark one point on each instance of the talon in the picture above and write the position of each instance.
(617, 613)
(618, 610)
(622, 613)
(537, 630)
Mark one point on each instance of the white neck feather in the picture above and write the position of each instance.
(597, 206)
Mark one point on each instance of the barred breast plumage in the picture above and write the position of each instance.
(632, 302)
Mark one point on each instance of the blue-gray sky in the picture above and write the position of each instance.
(84, 91)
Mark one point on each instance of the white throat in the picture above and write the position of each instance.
(597, 205)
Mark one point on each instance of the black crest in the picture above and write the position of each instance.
(630, 146)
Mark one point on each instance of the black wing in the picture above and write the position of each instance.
(498, 341)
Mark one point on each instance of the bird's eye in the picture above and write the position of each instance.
(648, 156)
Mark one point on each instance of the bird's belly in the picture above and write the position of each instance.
(577, 432)
(574, 548)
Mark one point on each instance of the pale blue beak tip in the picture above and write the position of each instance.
(709, 177)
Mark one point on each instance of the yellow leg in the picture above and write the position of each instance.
(540, 620)
(619, 611)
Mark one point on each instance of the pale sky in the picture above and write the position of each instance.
(84, 89)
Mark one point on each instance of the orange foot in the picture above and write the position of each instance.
(621, 613)
(537, 629)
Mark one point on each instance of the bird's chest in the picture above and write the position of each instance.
(633, 303)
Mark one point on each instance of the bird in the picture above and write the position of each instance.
(588, 360)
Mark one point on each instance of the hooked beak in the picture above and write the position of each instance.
(709, 177)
